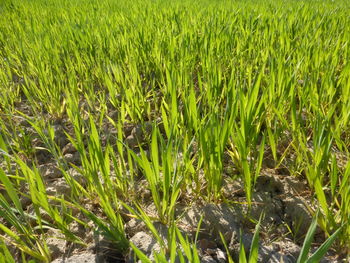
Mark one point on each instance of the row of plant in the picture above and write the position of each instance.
(209, 83)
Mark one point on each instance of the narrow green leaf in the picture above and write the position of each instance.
(322, 250)
(308, 240)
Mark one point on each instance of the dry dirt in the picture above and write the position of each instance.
(283, 199)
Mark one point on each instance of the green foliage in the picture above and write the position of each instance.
(221, 83)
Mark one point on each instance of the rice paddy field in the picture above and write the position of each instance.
(174, 131)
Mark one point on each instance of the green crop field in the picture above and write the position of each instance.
(174, 131)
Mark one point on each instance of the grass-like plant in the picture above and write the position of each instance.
(248, 84)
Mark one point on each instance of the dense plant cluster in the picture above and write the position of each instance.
(131, 103)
